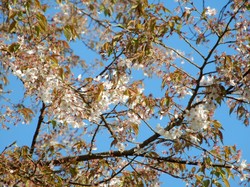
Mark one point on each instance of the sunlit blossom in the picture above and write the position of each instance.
(120, 146)
(172, 134)
(198, 117)
(207, 80)
(210, 11)
(79, 77)
(187, 9)
(243, 165)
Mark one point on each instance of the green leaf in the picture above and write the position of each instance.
(38, 30)
(73, 172)
(226, 182)
(198, 178)
(12, 14)
(217, 124)
(67, 33)
(107, 12)
(38, 4)
(135, 128)
(61, 73)
(178, 27)
(153, 154)
(206, 183)
(165, 9)
(13, 26)
(248, 7)
(53, 122)
(25, 151)
(14, 47)
(42, 21)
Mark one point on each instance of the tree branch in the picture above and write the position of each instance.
(207, 58)
(40, 120)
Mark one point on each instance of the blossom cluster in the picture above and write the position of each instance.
(198, 117)
(210, 11)
(172, 134)
(67, 104)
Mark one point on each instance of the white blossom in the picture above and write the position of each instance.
(207, 81)
(114, 182)
(30, 52)
(79, 77)
(198, 117)
(187, 9)
(159, 129)
(11, 171)
(120, 146)
(172, 134)
(243, 165)
(194, 139)
(210, 11)
(18, 73)
(244, 177)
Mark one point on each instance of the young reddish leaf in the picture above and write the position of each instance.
(113, 143)
(26, 112)
(220, 134)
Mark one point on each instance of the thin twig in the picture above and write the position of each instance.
(178, 53)
(196, 50)
(7, 147)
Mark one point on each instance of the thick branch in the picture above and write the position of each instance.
(188, 162)
(130, 152)
(40, 120)
(102, 155)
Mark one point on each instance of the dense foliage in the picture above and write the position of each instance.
(99, 121)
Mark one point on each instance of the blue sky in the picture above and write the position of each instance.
(235, 133)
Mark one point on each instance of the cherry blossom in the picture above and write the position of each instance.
(96, 107)
(210, 11)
